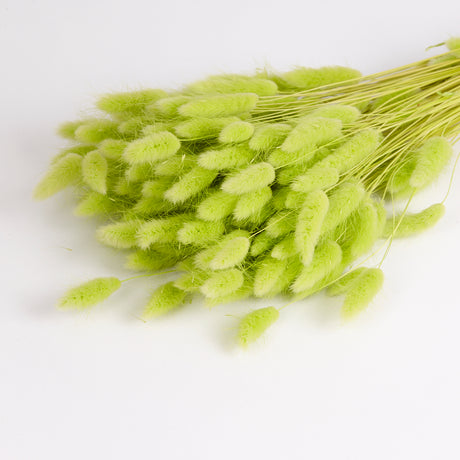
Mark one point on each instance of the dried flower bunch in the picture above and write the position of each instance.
(261, 185)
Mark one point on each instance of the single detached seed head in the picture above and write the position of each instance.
(254, 324)
(90, 293)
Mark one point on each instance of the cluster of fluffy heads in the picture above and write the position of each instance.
(240, 204)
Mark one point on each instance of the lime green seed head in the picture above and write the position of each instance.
(251, 204)
(453, 43)
(168, 106)
(326, 258)
(132, 103)
(94, 204)
(222, 283)
(232, 251)
(267, 275)
(261, 243)
(164, 299)
(401, 226)
(308, 78)
(353, 151)
(281, 223)
(238, 131)
(90, 293)
(430, 160)
(120, 235)
(190, 184)
(225, 158)
(343, 283)
(150, 260)
(317, 178)
(202, 127)
(309, 224)
(160, 230)
(269, 136)
(156, 188)
(217, 206)
(96, 130)
(67, 129)
(361, 292)
(153, 148)
(219, 106)
(233, 83)
(343, 200)
(254, 324)
(65, 172)
(112, 148)
(139, 172)
(200, 233)
(345, 113)
(285, 249)
(94, 171)
(312, 131)
(175, 166)
(250, 179)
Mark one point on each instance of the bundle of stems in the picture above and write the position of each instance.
(264, 185)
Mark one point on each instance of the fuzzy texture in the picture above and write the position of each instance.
(251, 204)
(411, 224)
(250, 179)
(266, 137)
(312, 131)
(430, 160)
(233, 83)
(225, 158)
(326, 258)
(261, 243)
(132, 103)
(94, 171)
(267, 275)
(216, 206)
(231, 251)
(353, 151)
(65, 172)
(219, 106)
(162, 230)
(202, 127)
(317, 178)
(152, 148)
(345, 113)
(222, 283)
(164, 299)
(120, 235)
(190, 184)
(254, 324)
(200, 233)
(309, 224)
(112, 148)
(238, 131)
(308, 78)
(281, 224)
(150, 260)
(167, 106)
(342, 202)
(361, 292)
(96, 130)
(343, 284)
(94, 204)
(90, 293)
(175, 166)
(285, 249)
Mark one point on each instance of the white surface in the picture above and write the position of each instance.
(104, 385)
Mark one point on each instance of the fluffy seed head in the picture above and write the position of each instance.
(94, 171)
(231, 252)
(162, 230)
(222, 283)
(152, 148)
(361, 292)
(201, 127)
(285, 249)
(250, 179)
(112, 148)
(132, 103)
(261, 243)
(65, 172)
(90, 293)
(94, 204)
(318, 177)
(200, 233)
(267, 274)
(219, 106)
(96, 130)
(430, 159)
(238, 131)
(168, 106)
(411, 224)
(251, 204)
(216, 206)
(308, 78)
(267, 137)
(343, 284)
(254, 324)
(163, 300)
(175, 166)
(120, 235)
(190, 184)
(280, 224)
(225, 158)
(344, 113)
(150, 260)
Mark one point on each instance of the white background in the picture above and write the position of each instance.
(104, 385)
